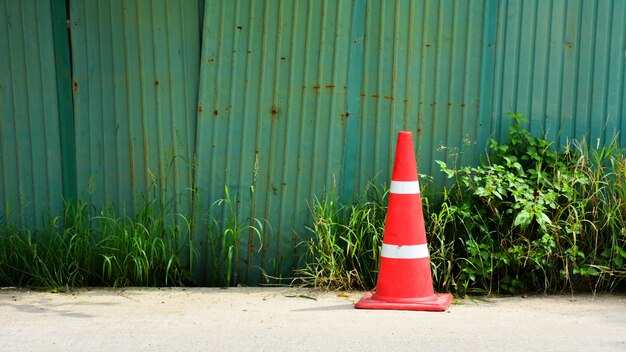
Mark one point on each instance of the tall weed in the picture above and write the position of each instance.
(89, 247)
(225, 239)
(343, 251)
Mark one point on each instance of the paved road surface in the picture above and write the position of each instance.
(283, 319)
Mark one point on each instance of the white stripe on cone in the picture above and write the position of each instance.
(404, 252)
(405, 187)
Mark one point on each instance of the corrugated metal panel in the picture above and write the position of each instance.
(298, 98)
(272, 110)
(30, 159)
(562, 64)
(135, 74)
(421, 72)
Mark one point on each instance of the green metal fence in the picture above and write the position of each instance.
(283, 100)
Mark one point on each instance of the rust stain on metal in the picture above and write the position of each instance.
(283, 58)
(405, 101)
(210, 60)
(274, 111)
(363, 94)
(75, 86)
(419, 131)
(451, 104)
(316, 86)
(199, 108)
(215, 112)
(156, 82)
(249, 52)
(329, 86)
(375, 95)
(388, 97)
(239, 27)
(344, 118)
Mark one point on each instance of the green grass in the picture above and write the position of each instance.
(86, 246)
(343, 252)
(224, 240)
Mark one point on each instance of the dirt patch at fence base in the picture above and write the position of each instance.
(284, 319)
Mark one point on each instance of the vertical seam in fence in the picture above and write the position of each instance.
(64, 97)
(487, 73)
(353, 103)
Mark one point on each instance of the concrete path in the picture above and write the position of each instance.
(283, 319)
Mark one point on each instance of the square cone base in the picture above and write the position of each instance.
(437, 302)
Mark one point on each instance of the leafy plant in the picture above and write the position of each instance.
(533, 218)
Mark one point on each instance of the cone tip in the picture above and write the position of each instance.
(405, 135)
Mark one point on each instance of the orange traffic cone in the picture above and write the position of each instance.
(404, 278)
